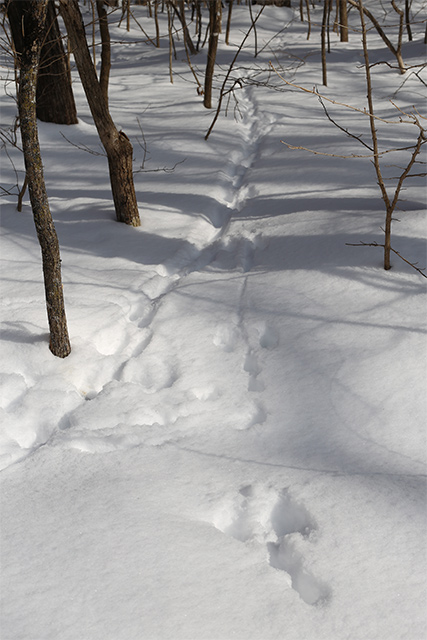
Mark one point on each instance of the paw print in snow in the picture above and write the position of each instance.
(262, 515)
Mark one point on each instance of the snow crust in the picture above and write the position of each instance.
(235, 448)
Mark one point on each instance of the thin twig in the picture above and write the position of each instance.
(377, 244)
(83, 147)
(227, 75)
(346, 131)
(364, 112)
(158, 170)
(352, 155)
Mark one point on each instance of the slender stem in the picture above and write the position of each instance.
(374, 136)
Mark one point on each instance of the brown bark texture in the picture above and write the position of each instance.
(343, 18)
(33, 21)
(54, 98)
(116, 144)
(214, 31)
(104, 75)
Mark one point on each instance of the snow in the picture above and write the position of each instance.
(235, 447)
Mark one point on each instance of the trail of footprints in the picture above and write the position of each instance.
(144, 368)
(259, 334)
(259, 516)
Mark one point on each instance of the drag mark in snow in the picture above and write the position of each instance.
(261, 516)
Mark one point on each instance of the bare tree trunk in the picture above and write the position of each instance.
(227, 30)
(179, 8)
(307, 4)
(170, 36)
(156, 22)
(54, 97)
(92, 3)
(343, 17)
(408, 20)
(325, 37)
(396, 51)
(374, 137)
(33, 22)
(105, 49)
(214, 31)
(116, 143)
(400, 37)
(254, 29)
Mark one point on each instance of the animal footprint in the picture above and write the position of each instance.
(252, 367)
(150, 371)
(260, 515)
(268, 337)
(226, 337)
(292, 524)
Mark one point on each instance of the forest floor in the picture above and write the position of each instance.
(235, 447)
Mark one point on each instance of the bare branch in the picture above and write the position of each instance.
(221, 94)
(314, 92)
(377, 244)
(352, 155)
(346, 131)
(83, 147)
(159, 169)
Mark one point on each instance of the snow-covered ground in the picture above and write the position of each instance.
(235, 448)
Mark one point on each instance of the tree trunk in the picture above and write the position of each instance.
(33, 23)
(116, 144)
(408, 20)
(227, 30)
(156, 22)
(375, 147)
(179, 9)
(396, 51)
(54, 98)
(325, 36)
(105, 49)
(214, 30)
(343, 17)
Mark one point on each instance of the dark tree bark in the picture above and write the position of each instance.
(214, 30)
(55, 100)
(325, 38)
(54, 97)
(33, 23)
(227, 30)
(343, 17)
(179, 8)
(116, 143)
(105, 49)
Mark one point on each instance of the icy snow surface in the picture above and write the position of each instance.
(235, 448)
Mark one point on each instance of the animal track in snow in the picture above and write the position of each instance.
(142, 311)
(268, 336)
(252, 367)
(226, 337)
(151, 372)
(258, 415)
(260, 516)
